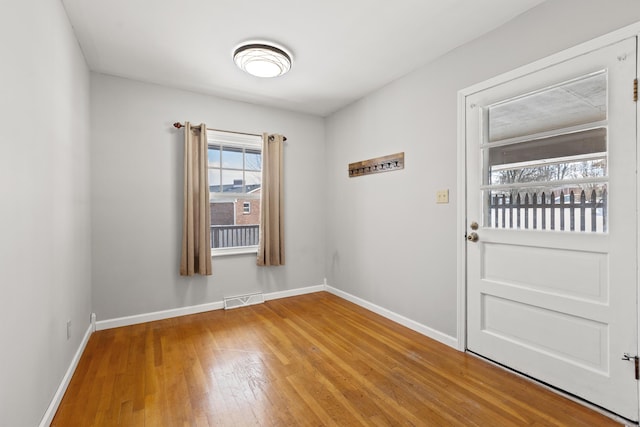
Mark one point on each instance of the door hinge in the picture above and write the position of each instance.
(636, 362)
(635, 90)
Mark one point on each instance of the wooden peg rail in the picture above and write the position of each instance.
(388, 163)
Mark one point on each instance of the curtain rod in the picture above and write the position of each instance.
(179, 125)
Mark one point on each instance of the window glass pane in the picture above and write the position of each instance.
(214, 180)
(235, 215)
(232, 181)
(253, 160)
(238, 224)
(232, 158)
(214, 156)
(570, 156)
(577, 102)
(222, 213)
(253, 180)
(561, 208)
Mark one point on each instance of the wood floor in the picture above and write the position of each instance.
(311, 360)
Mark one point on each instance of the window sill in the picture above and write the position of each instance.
(240, 250)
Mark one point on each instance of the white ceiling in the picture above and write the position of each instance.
(342, 49)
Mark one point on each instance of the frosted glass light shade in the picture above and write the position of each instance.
(262, 60)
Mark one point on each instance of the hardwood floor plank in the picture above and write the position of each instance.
(311, 360)
(377, 386)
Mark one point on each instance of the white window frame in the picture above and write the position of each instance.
(236, 140)
(246, 208)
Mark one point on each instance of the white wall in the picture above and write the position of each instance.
(388, 242)
(136, 178)
(44, 220)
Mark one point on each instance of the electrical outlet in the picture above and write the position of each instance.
(442, 196)
(68, 329)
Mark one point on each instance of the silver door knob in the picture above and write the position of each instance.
(472, 237)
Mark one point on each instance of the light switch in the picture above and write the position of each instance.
(442, 196)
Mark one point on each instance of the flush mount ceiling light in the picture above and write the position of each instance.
(262, 60)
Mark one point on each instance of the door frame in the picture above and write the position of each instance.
(461, 221)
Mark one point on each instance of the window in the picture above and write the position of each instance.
(235, 178)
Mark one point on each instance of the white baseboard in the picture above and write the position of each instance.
(294, 292)
(157, 315)
(411, 324)
(62, 388)
(193, 309)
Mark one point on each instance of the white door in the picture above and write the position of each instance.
(551, 184)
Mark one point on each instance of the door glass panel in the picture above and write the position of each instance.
(577, 102)
(576, 155)
(565, 208)
(557, 182)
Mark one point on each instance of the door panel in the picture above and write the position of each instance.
(542, 330)
(551, 179)
(579, 275)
